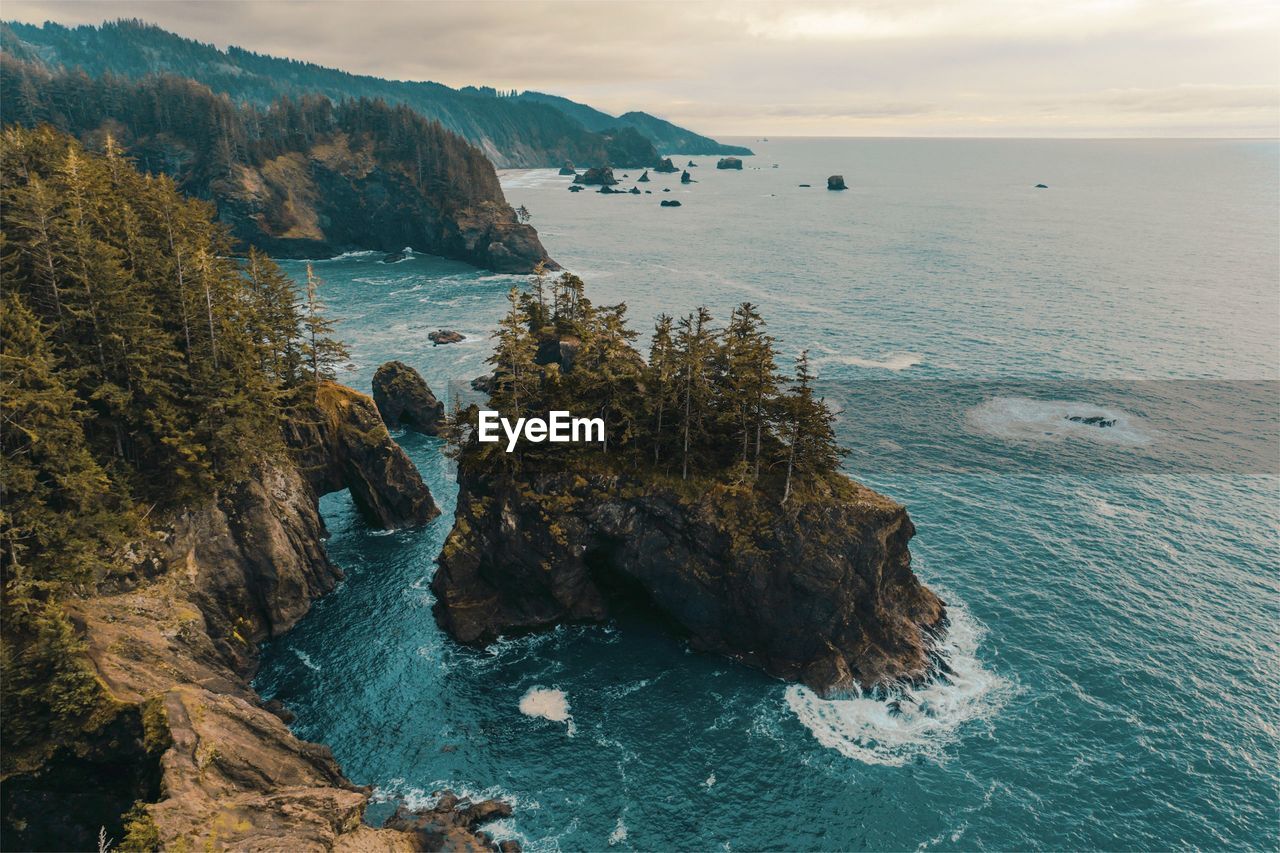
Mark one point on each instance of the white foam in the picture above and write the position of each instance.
(548, 703)
(306, 660)
(909, 722)
(711, 780)
(619, 833)
(1049, 420)
(895, 361)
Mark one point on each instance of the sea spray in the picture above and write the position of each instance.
(895, 726)
(550, 704)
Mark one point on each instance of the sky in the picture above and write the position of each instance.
(1048, 68)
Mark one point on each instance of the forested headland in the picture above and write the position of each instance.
(302, 177)
(143, 368)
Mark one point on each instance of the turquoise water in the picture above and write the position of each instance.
(1114, 593)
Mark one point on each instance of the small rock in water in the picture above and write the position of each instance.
(635, 191)
(670, 202)
(836, 182)
(445, 336)
(806, 185)
(568, 169)
(686, 178)
(395, 257)
(1042, 186)
(574, 188)
(729, 163)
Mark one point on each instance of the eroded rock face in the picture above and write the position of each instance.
(822, 593)
(173, 649)
(404, 400)
(348, 447)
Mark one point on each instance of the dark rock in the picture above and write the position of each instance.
(609, 191)
(483, 383)
(1093, 420)
(635, 191)
(277, 707)
(404, 400)
(821, 593)
(836, 182)
(574, 188)
(568, 169)
(686, 178)
(666, 189)
(510, 845)
(395, 257)
(599, 176)
(643, 179)
(806, 185)
(692, 165)
(445, 336)
(1042, 186)
(665, 165)
(729, 163)
(648, 192)
(451, 824)
(671, 202)
(347, 446)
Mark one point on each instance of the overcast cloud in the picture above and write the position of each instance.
(883, 67)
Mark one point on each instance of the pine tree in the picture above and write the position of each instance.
(750, 382)
(321, 352)
(695, 350)
(812, 452)
(660, 379)
(515, 374)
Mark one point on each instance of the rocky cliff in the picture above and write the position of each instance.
(821, 593)
(172, 646)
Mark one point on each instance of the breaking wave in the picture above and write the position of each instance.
(906, 722)
(1056, 420)
(895, 361)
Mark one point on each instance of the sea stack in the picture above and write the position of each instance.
(665, 166)
(730, 163)
(643, 179)
(568, 169)
(404, 399)
(836, 182)
(686, 178)
(599, 176)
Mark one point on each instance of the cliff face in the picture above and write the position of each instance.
(338, 197)
(823, 594)
(172, 650)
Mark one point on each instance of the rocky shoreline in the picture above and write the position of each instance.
(173, 647)
(822, 593)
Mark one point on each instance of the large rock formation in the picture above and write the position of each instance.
(666, 166)
(729, 163)
(404, 400)
(348, 447)
(599, 176)
(821, 593)
(171, 648)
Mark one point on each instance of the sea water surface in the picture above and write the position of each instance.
(1114, 669)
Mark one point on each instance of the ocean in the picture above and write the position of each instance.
(1114, 676)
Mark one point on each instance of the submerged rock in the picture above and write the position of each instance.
(806, 185)
(729, 163)
(665, 165)
(395, 257)
(670, 202)
(599, 176)
(820, 592)
(1093, 420)
(404, 400)
(574, 188)
(836, 182)
(445, 336)
(1042, 186)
